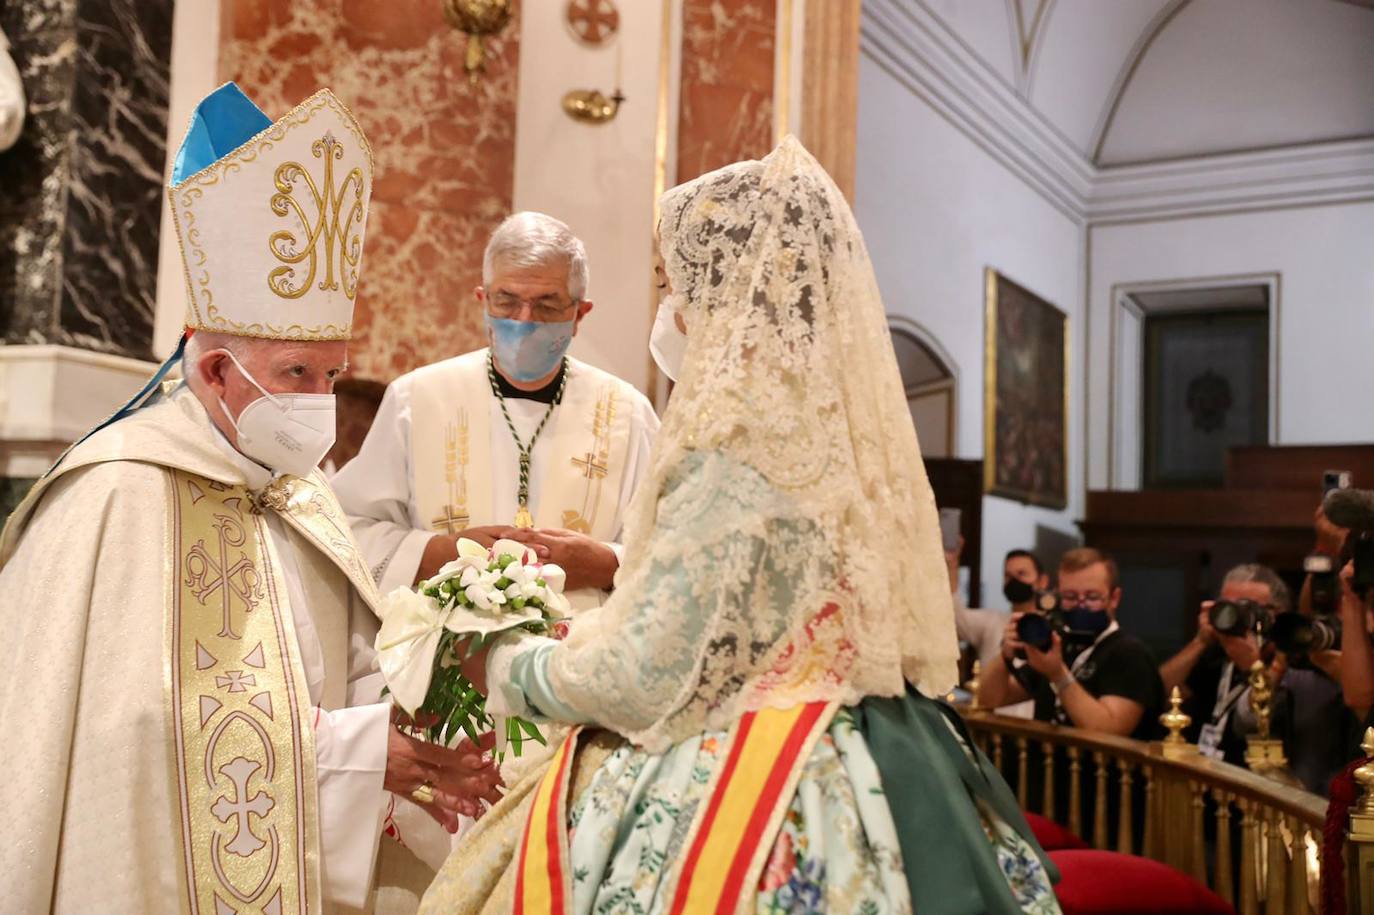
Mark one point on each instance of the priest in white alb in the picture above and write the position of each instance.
(517, 439)
(191, 712)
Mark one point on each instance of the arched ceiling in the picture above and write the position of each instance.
(1131, 81)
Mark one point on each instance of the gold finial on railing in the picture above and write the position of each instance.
(1364, 775)
(1261, 698)
(1176, 721)
(1361, 833)
(974, 681)
(1264, 754)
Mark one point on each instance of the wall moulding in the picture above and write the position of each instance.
(911, 43)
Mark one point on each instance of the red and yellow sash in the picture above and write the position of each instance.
(730, 838)
(543, 884)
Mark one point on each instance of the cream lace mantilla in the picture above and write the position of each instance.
(785, 547)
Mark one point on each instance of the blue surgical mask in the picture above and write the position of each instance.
(529, 350)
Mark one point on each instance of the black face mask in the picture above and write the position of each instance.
(1017, 591)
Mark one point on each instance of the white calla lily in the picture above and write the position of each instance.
(477, 621)
(406, 644)
(471, 549)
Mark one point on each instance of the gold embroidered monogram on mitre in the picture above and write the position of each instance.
(327, 234)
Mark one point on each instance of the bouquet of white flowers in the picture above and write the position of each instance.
(473, 599)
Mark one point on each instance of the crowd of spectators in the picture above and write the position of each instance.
(1061, 654)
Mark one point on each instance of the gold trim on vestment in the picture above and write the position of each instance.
(238, 707)
(313, 510)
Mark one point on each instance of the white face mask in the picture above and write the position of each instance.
(288, 433)
(667, 343)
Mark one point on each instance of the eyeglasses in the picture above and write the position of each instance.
(545, 309)
(1091, 600)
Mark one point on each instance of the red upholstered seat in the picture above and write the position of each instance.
(1100, 882)
(1051, 835)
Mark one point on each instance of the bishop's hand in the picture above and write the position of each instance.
(588, 562)
(445, 783)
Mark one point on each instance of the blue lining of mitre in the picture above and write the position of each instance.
(222, 122)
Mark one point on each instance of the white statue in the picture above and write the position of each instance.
(11, 97)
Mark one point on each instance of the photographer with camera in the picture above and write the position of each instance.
(1347, 519)
(1079, 666)
(1213, 669)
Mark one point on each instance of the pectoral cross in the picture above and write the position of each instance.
(591, 467)
(450, 520)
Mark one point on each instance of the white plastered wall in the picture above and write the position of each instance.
(936, 210)
(1322, 318)
(598, 178)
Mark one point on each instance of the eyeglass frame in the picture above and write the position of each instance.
(1092, 600)
(550, 316)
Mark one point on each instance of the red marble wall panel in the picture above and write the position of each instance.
(444, 149)
(726, 105)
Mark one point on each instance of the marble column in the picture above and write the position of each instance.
(80, 197)
(81, 190)
(830, 88)
(444, 148)
(725, 108)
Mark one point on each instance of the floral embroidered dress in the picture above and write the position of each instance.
(838, 849)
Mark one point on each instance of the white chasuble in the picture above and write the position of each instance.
(191, 724)
(440, 458)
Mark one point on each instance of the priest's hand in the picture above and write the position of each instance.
(443, 548)
(588, 562)
(460, 779)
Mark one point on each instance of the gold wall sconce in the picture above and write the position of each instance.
(591, 106)
(479, 19)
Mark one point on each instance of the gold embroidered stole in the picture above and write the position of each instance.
(587, 440)
(237, 702)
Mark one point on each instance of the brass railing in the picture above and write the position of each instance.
(1254, 841)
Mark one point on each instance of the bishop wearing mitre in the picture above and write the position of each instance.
(516, 439)
(191, 714)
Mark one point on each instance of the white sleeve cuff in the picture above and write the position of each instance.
(504, 697)
(404, 563)
(350, 760)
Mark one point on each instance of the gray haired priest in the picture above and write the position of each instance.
(517, 440)
(191, 713)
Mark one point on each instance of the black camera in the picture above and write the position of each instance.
(1325, 588)
(1237, 617)
(1298, 636)
(1359, 549)
(1037, 629)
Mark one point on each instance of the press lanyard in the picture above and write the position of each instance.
(1081, 661)
(1227, 695)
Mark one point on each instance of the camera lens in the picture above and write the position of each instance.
(1297, 635)
(1231, 617)
(1034, 630)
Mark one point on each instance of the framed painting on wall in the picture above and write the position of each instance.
(1026, 396)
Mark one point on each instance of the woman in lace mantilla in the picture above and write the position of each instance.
(783, 554)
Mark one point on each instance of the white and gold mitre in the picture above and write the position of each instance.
(270, 216)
